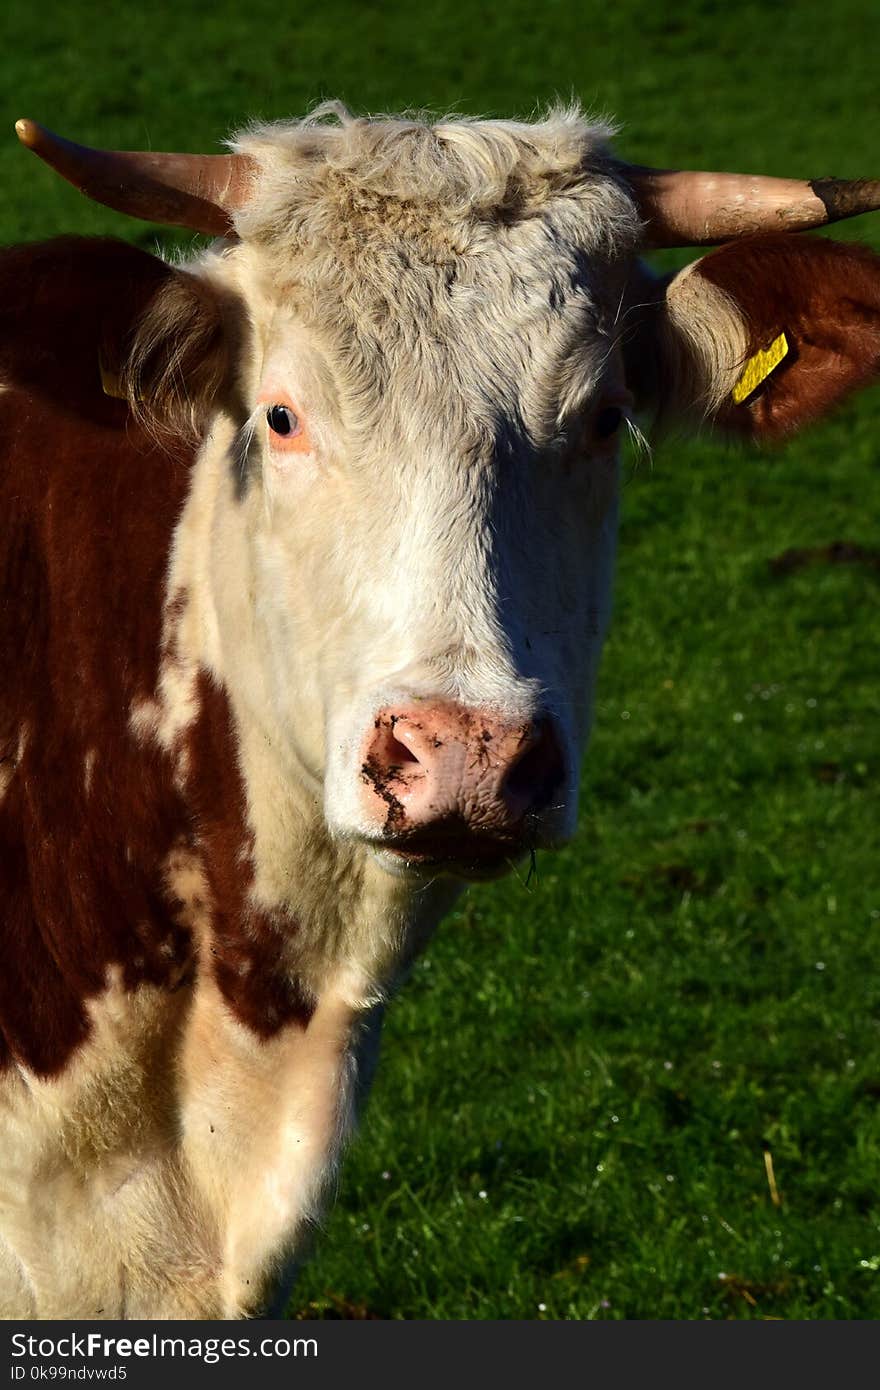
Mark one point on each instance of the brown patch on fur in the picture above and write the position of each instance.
(248, 946)
(88, 507)
(825, 296)
(83, 563)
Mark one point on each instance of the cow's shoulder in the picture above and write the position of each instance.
(89, 502)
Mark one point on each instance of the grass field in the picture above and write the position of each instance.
(581, 1081)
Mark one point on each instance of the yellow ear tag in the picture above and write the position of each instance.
(758, 368)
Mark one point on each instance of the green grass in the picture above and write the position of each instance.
(578, 1083)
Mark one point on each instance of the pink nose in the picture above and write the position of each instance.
(438, 763)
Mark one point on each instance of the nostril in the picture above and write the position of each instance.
(394, 747)
(538, 774)
(397, 753)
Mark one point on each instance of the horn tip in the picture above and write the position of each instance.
(28, 132)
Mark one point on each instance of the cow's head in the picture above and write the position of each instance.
(416, 352)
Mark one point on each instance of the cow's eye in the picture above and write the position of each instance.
(608, 421)
(282, 420)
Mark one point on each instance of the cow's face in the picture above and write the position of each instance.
(431, 491)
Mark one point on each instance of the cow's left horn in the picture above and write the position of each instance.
(690, 209)
(199, 191)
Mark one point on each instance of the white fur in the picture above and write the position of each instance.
(704, 343)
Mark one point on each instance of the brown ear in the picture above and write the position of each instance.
(66, 309)
(815, 302)
(176, 363)
(80, 323)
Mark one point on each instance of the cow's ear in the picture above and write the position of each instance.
(767, 334)
(89, 323)
(175, 365)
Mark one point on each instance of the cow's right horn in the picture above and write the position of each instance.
(199, 191)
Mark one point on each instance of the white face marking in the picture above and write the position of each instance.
(432, 541)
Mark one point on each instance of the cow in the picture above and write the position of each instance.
(307, 545)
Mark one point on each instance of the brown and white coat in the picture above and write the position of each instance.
(269, 698)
